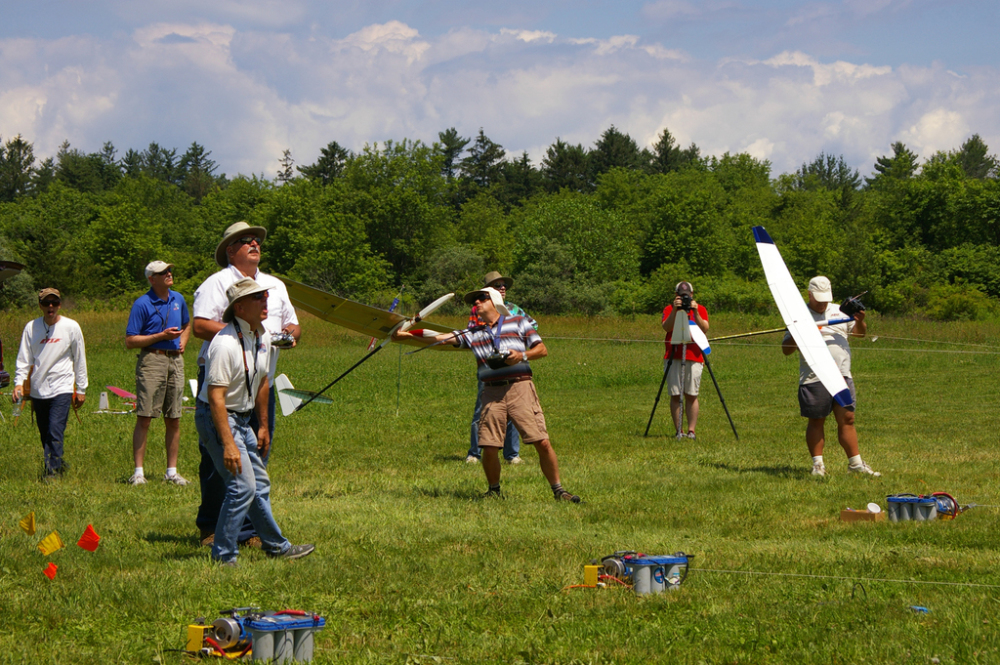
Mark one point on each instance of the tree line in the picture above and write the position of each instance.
(608, 228)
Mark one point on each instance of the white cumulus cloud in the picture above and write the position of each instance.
(247, 94)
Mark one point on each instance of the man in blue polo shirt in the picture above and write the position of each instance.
(159, 326)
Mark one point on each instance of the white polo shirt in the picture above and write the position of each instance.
(232, 363)
(210, 302)
(837, 340)
(58, 355)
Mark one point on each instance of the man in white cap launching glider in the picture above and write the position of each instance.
(815, 401)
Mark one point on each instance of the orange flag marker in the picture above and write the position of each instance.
(51, 543)
(89, 540)
(28, 523)
(50, 571)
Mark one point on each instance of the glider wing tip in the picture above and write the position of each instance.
(844, 398)
(761, 235)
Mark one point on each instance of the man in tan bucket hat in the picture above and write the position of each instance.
(238, 254)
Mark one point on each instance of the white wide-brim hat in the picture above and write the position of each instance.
(494, 295)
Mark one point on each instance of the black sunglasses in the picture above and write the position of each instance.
(46, 303)
(482, 297)
(168, 271)
(261, 295)
(247, 240)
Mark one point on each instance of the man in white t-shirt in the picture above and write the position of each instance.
(239, 255)
(235, 386)
(50, 361)
(815, 401)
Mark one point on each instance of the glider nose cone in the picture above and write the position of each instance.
(760, 235)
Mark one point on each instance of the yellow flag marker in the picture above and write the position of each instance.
(28, 523)
(51, 543)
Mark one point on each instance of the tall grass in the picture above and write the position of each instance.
(411, 566)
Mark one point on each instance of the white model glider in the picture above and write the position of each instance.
(364, 319)
(799, 320)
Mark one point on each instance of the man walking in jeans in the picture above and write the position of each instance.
(235, 386)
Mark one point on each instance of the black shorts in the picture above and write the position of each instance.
(815, 401)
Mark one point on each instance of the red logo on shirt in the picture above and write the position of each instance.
(50, 341)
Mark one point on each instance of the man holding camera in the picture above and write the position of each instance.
(684, 356)
(815, 401)
(503, 349)
(512, 441)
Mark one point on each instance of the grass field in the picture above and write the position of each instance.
(412, 567)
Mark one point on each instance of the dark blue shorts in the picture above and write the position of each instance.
(815, 401)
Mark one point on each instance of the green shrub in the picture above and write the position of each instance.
(959, 302)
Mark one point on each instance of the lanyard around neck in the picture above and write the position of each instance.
(496, 335)
(246, 368)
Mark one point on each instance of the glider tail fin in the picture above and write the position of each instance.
(287, 402)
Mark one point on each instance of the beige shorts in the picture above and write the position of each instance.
(159, 385)
(517, 402)
(692, 377)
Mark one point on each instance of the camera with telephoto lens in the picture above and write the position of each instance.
(282, 340)
(686, 302)
(497, 359)
(852, 306)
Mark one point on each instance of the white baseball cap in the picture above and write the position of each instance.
(821, 289)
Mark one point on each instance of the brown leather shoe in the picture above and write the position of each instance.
(207, 538)
(254, 542)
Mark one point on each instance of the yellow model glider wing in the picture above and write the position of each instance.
(355, 316)
(8, 269)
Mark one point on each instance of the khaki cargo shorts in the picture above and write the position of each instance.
(159, 385)
(692, 377)
(517, 402)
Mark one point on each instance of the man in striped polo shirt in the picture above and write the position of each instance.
(502, 349)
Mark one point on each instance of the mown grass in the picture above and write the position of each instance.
(412, 567)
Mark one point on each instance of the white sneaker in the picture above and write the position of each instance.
(472, 459)
(819, 469)
(680, 436)
(863, 468)
(176, 479)
(137, 479)
(516, 459)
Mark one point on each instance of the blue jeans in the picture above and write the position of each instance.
(246, 495)
(51, 415)
(511, 440)
(212, 488)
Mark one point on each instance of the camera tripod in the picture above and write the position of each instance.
(682, 336)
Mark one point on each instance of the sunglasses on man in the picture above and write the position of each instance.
(168, 271)
(49, 303)
(247, 240)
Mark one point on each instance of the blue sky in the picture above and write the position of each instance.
(248, 79)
